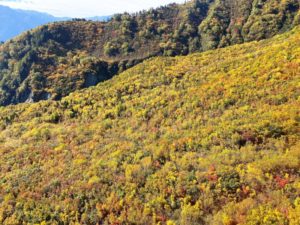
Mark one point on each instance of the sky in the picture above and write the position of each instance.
(85, 8)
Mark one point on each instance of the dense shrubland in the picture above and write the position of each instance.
(54, 60)
(209, 138)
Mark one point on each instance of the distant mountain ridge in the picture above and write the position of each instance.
(15, 21)
(99, 18)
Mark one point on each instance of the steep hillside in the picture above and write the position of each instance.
(54, 60)
(209, 138)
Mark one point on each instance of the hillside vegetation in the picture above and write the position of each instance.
(209, 138)
(54, 60)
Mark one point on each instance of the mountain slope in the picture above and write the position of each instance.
(54, 60)
(210, 138)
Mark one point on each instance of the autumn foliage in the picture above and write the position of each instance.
(209, 138)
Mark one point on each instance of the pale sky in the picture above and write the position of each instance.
(85, 8)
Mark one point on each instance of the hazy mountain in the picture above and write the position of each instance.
(14, 21)
(99, 18)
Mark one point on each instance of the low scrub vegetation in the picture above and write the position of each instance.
(209, 138)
